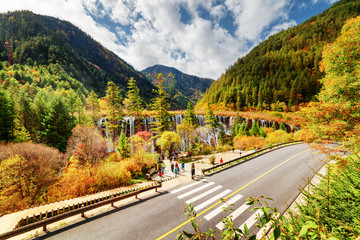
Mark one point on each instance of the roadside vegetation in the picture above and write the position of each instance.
(331, 209)
(52, 148)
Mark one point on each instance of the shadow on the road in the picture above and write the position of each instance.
(90, 219)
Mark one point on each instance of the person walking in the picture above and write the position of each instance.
(172, 167)
(183, 166)
(192, 171)
(176, 171)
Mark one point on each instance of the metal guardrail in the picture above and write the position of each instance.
(246, 157)
(81, 209)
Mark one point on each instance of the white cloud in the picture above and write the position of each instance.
(282, 26)
(330, 2)
(158, 36)
(252, 17)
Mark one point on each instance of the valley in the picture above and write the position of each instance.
(76, 119)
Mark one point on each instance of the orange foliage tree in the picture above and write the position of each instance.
(27, 170)
(336, 116)
(87, 145)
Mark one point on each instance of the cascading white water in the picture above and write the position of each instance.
(132, 125)
(178, 119)
(204, 134)
(100, 124)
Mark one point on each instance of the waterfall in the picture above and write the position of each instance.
(100, 125)
(178, 119)
(201, 120)
(202, 132)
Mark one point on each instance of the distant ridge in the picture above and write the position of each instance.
(46, 40)
(182, 87)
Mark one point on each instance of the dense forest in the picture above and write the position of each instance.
(43, 41)
(283, 71)
(181, 87)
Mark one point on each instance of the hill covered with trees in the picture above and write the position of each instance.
(40, 40)
(181, 86)
(284, 70)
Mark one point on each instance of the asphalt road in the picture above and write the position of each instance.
(278, 175)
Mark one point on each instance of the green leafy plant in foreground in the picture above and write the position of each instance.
(269, 216)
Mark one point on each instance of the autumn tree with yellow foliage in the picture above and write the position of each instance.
(336, 115)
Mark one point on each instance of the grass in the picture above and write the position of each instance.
(333, 207)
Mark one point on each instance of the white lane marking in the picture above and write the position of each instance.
(220, 209)
(234, 215)
(252, 220)
(203, 194)
(213, 199)
(185, 187)
(195, 190)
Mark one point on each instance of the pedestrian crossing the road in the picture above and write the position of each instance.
(202, 194)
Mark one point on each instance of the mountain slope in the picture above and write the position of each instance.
(282, 71)
(181, 86)
(46, 40)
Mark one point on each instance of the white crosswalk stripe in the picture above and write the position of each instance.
(203, 194)
(185, 187)
(213, 199)
(252, 220)
(220, 209)
(195, 190)
(234, 215)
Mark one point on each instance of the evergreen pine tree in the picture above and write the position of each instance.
(255, 129)
(222, 136)
(79, 111)
(7, 118)
(211, 121)
(190, 116)
(262, 132)
(26, 114)
(57, 124)
(40, 105)
(93, 106)
(243, 130)
(161, 107)
(282, 127)
(123, 146)
(135, 109)
(115, 113)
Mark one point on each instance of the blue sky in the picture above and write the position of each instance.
(199, 37)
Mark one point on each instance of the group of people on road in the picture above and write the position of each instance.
(176, 168)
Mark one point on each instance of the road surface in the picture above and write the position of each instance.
(278, 174)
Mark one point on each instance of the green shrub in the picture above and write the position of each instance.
(333, 207)
(224, 148)
(276, 114)
(212, 159)
(207, 150)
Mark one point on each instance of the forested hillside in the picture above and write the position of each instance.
(181, 87)
(282, 71)
(41, 40)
